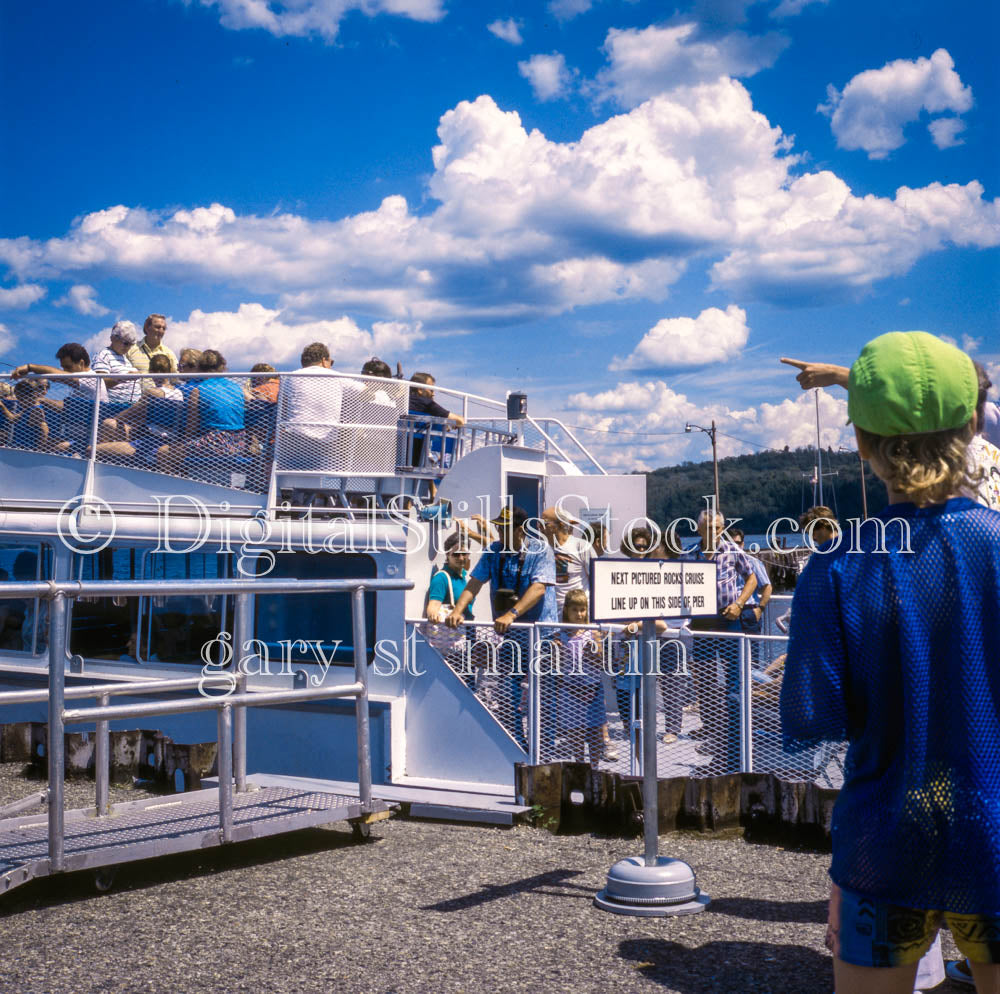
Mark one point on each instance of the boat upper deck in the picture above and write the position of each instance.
(221, 440)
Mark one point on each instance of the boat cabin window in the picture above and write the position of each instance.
(322, 618)
(174, 629)
(107, 627)
(24, 624)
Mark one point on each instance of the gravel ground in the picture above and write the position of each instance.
(419, 907)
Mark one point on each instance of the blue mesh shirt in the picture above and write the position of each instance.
(899, 653)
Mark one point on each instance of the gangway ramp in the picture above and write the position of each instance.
(439, 803)
(161, 826)
(236, 809)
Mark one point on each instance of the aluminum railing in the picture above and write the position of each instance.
(705, 725)
(231, 707)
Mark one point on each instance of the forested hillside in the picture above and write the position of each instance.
(762, 487)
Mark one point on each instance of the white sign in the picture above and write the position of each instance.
(634, 589)
(592, 514)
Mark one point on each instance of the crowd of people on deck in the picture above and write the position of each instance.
(539, 571)
(161, 408)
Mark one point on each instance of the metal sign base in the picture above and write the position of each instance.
(663, 889)
(651, 885)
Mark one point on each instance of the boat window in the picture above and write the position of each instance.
(174, 629)
(323, 618)
(106, 627)
(24, 624)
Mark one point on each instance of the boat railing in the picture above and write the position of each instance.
(565, 694)
(331, 432)
(222, 691)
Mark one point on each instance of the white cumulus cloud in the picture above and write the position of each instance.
(520, 226)
(508, 30)
(548, 75)
(945, 131)
(314, 17)
(640, 426)
(645, 62)
(255, 333)
(874, 107)
(19, 297)
(713, 336)
(6, 339)
(83, 299)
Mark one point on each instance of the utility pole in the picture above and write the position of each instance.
(715, 454)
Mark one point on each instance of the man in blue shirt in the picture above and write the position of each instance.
(894, 645)
(521, 571)
(519, 562)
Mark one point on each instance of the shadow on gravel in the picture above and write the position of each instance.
(535, 884)
(80, 886)
(730, 967)
(771, 911)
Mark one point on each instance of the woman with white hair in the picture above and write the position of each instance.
(114, 363)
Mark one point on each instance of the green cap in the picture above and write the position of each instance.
(911, 383)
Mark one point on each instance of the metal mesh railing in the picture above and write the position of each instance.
(337, 432)
(493, 667)
(339, 425)
(563, 693)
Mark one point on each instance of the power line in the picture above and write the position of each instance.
(619, 431)
(747, 441)
(665, 434)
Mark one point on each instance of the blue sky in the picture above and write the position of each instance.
(627, 210)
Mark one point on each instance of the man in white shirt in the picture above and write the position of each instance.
(309, 424)
(114, 363)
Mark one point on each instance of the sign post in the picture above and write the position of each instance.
(647, 590)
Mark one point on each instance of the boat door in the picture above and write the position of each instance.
(526, 492)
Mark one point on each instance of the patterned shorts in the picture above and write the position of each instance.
(220, 443)
(866, 932)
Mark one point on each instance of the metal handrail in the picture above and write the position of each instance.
(559, 449)
(130, 686)
(231, 707)
(140, 588)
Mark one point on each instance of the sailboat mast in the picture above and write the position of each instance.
(819, 453)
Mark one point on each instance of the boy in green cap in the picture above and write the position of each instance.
(895, 646)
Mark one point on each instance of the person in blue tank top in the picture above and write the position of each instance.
(215, 417)
(894, 645)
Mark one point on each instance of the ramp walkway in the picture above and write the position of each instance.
(138, 830)
(419, 802)
(237, 809)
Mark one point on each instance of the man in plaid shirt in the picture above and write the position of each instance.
(735, 583)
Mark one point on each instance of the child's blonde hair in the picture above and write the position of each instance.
(575, 597)
(927, 468)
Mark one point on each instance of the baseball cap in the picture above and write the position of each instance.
(911, 383)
